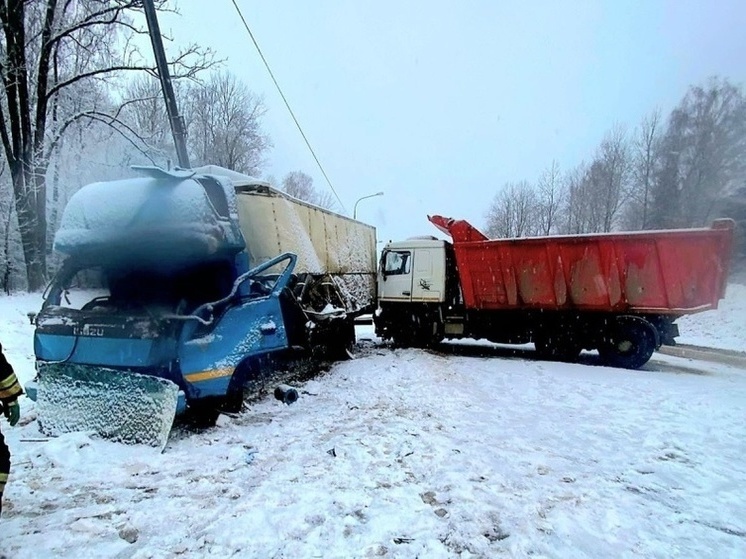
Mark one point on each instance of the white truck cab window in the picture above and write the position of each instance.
(397, 262)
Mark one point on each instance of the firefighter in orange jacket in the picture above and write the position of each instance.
(9, 392)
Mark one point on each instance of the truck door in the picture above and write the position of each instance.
(428, 279)
(237, 327)
(396, 275)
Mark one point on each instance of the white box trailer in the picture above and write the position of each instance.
(325, 242)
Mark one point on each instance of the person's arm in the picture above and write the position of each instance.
(10, 390)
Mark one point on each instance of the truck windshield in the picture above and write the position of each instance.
(96, 288)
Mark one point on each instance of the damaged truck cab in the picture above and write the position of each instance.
(176, 288)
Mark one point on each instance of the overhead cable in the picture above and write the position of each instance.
(290, 110)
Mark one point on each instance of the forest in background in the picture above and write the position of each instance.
(682, 170)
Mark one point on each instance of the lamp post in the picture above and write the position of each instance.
(354, 210)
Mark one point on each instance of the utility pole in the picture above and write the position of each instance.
(177, 122)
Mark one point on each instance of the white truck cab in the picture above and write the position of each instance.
(413, 271)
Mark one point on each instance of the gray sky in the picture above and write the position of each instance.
(439, 103)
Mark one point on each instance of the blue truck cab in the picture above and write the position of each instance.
(155, 280)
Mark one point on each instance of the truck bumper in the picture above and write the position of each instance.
(32, 391)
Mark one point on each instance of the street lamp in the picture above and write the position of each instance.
(354, 211)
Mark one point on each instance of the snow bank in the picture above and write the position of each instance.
(723, 328)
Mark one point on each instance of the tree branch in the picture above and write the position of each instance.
(45, 58)
(108, 120)
(91, 20)
(9, 155)
(84, 75)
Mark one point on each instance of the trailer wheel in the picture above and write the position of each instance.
(629, 343)
(557, 345)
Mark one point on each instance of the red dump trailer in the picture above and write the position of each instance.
(619, 293)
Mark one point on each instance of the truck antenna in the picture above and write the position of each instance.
(175, 119)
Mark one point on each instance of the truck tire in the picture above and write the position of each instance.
(426, 331)
(417, 330)
(557, 345)
(629, 343)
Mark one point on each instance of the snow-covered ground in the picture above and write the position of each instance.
(406, 453)
(724, 328)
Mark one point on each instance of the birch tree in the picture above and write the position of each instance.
(578, 214)
(645, 160)
(609, 175)
(550, 192)
(224, 124)
(300, 185)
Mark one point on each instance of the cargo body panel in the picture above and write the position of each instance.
(669, 272)
(325, 242)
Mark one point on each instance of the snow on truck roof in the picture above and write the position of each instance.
(238, 179)
(246, 184)
(178, 220)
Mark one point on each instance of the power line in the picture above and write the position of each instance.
(292, 114)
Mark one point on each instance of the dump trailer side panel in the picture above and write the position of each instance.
(661, 272)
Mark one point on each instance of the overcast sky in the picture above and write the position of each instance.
(439, 103)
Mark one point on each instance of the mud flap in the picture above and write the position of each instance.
(121, 406)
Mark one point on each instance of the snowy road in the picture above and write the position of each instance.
(406, 453)
(735, 358)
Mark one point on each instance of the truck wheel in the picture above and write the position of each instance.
(426, 331)
(629, 344)
(410, 333)
(557, 346)
(401, 339)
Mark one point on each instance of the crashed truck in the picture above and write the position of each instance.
(196, 283)
(617, 293)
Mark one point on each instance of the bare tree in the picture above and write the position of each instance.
(300, 185)
(578, 208)
(513, 212)
(645, 152)
(550, 191)
(609, 174)
(702, 155)
(145, 112)
(49, 49)
(224, 124)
